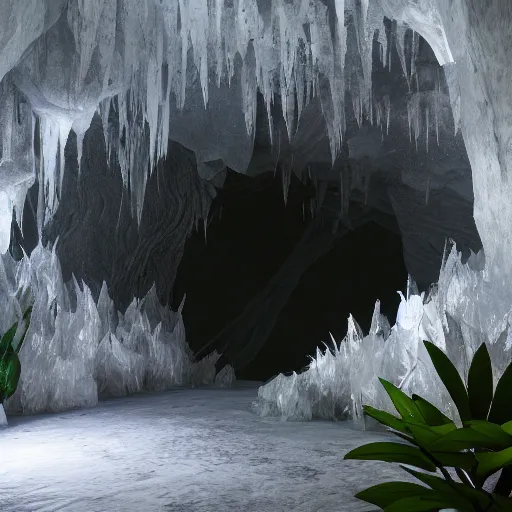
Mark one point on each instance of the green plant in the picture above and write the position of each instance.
(433, 443)
(10, 366)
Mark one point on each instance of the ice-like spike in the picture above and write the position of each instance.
(342, 31)
(370, 114)
(414, 52)
(436, 114)
(401, 30)
(205, 212)
(427, 120)
(452, 81)
(391, 44)
(54, 133)
(270, 120)
(219, 4)
(278, 152)
(182, 304)
(104, 111)
(80, 127)
(387, 103)
(286, 174)
(412, 289)
(7, 119)
(33, 124)
(409, 120)
(63, 137)
(414, 115)
(375, 327)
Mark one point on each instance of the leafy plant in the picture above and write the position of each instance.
(434, 443)
(10, 366)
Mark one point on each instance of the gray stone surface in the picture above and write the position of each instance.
(183, 451)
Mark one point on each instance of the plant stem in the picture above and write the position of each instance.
(450, 480)
(432, 459)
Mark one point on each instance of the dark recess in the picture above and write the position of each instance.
(249, 243)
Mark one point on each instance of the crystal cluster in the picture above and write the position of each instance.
(459, 314)
(78, 348)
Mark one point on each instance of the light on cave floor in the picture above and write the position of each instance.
(30, 455)
(199, 450)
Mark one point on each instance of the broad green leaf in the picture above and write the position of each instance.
(490, 462)
(501, 408)
(423, 436)
(474, 435)
(491, 429)
(507, 427)
(409, 439)
(426, 435)
(444, 429)
(451, 379)
(6, 341)
(385, 418)
(467, 495)
(480, 383)
(427, 503)
(463, 460)
(432, 415)
(403, 404)
(10, 371)
(385, 494)
(392, 452)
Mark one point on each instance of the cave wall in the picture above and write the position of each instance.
(98, 239)
(473, 39)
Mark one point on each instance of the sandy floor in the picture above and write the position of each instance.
(182, 451)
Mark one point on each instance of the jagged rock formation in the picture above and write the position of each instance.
(78, 348)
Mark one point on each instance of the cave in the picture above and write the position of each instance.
(230, 229)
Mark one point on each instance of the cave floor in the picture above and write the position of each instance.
(186, 450)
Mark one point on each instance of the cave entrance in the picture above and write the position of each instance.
(251, 238)
(365, 265)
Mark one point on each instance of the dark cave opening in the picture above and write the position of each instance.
(249, 242)
(251, 233)
(365, 265)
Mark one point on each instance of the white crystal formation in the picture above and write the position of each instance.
(342, 379)
(78, 349)
(158, 64)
